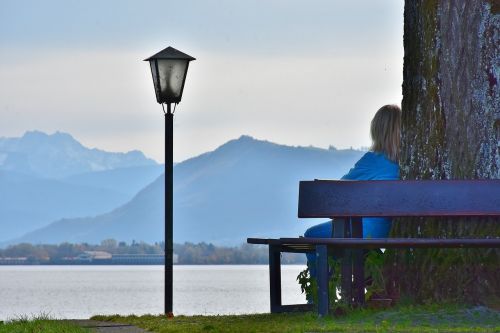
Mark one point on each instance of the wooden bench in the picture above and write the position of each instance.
(348, 201)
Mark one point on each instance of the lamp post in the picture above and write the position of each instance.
(169, 68)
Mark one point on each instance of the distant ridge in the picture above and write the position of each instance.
(59, 155)
(246, 187)
(45, 177)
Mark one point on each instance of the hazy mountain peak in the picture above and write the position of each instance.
(244, 141)
(34, 134)
(62, 136)
(60, 155)
(136, 154)
(37, 138)
(245, 137)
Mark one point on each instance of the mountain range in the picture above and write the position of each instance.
(244, 188)
(59, 155)
(44, 178)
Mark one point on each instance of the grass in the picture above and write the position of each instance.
(411, 319)
(39, 324)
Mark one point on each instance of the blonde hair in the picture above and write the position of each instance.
(385, 131)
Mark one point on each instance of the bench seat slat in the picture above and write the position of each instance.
(308, 244)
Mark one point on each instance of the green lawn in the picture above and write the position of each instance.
(436, 318)
(39, 325)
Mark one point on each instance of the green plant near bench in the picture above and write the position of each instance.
(374, 269)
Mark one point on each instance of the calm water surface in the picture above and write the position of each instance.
(83, 291)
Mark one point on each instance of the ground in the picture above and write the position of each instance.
(426, 318)
(449, 318)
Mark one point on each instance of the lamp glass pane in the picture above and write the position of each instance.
(172, 74)
(152, 63)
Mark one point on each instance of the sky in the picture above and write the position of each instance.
(308, 72)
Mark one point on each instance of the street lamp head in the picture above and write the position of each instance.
(169, 68)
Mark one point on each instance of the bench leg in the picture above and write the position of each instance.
(346, 276)
(322, 277)
(342, 229)
(275, 278)
(358, 289)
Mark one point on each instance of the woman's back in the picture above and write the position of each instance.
(373, 166)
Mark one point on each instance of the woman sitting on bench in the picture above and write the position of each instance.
(380, 163)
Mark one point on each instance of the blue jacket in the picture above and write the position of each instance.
(374, 166)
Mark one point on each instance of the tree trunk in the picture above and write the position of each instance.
(450, 130)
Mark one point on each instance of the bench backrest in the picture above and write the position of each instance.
(330, 198)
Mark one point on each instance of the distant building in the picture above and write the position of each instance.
(138, 259)
(14, 261)
(99, 255)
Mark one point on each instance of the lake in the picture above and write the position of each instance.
(83, 291)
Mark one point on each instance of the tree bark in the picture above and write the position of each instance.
(450, 130)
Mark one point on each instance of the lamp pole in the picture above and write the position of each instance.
(169, 69)
(169, 208)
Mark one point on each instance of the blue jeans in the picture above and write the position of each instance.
(322, 230)
(373, 227)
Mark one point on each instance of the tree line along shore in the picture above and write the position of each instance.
(112, 252)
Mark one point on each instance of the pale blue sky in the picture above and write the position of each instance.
(293, 72)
